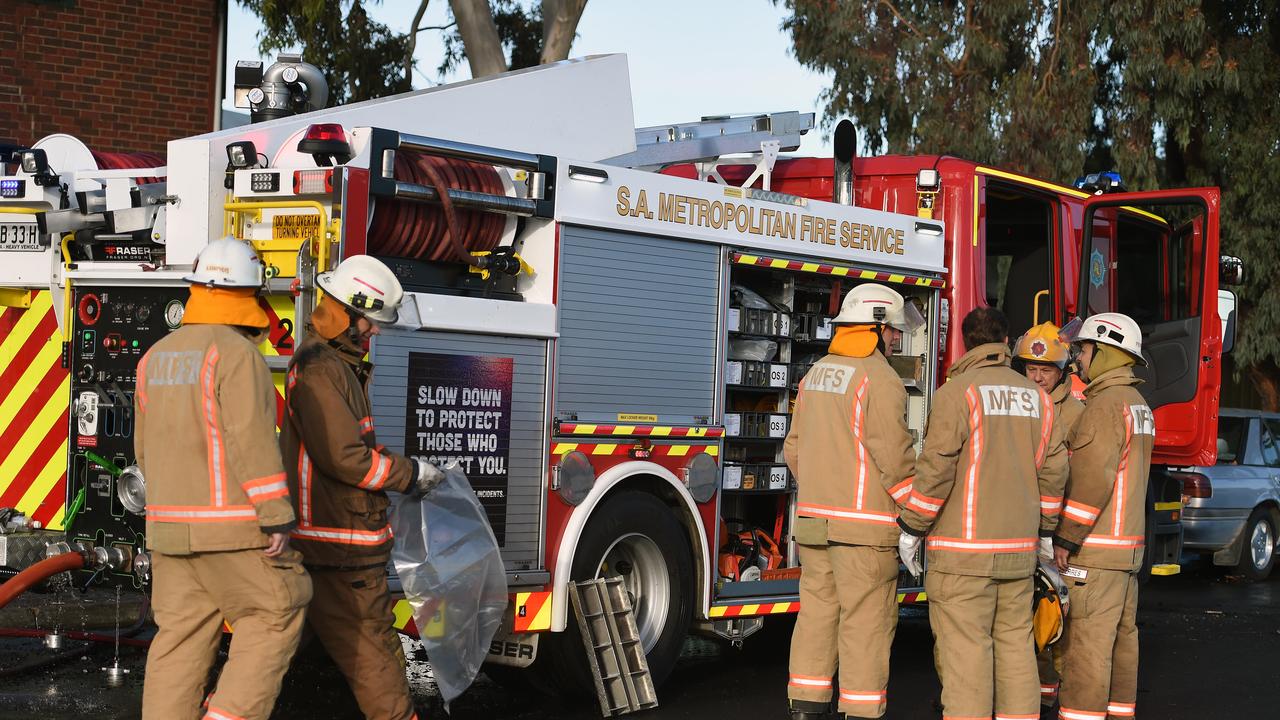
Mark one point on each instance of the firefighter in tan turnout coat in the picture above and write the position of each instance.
(852, 457)
(1099, 542)
(1043, 358)
(218, 509)
(985, 489)
(339, 475)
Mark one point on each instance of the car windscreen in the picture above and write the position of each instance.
(1231, 439)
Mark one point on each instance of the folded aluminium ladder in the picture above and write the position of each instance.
(618, 663)
(714, 137)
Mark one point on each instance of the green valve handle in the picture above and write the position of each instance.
(76, 506)
(105, 463)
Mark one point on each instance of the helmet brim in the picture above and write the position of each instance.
(386, 316)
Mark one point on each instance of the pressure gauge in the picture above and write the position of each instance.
(290, 74)
(173, 314)
(256, 96)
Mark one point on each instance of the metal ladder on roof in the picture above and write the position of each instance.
(713, 137)
(618, 663)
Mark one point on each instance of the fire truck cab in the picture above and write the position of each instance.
(607, 327)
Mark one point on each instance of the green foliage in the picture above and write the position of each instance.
(360, 58)
(1172, 93)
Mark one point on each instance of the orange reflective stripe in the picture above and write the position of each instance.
(266, 488)
(1118, 522)
(924, 504)
(981, 546)
(838, 513)
(304, 484)
(897, 492)
(217, 463)
(1046, 428)
(809, 681)
(379, 469)
(216, 714)
(863, 698)
(1007, 716)
(975, 460)
(366, 425)
(1069, 714)
(1116, 541)
(1081, 513)
(290, 379)
(1122, 709)
(857, 441)
(343, 536)
(200, 513)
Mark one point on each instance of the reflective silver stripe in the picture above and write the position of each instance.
(221, 513)
(345, 536)
(211, 419)
(270, 488)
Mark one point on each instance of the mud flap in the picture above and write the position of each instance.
(517, 651)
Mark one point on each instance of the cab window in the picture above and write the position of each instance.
(1019, 243)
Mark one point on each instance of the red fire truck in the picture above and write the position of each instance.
(607, 335)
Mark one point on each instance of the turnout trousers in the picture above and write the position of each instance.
(848, 617)
(983, 646)
(1049, 662)
(1100, 668)
(352, 617)
(263, 599)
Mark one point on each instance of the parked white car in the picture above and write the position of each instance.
(1232, 510)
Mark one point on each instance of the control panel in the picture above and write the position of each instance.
(114, 326)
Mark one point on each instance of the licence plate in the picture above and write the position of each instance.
(22, 237)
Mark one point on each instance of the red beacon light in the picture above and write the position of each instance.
(326, 143)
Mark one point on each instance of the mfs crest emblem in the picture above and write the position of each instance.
(1097, 268)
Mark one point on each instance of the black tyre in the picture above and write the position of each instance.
(1258, 555)
(636, 536)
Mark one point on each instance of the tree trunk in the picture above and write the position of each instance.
(479, 37)
(1266, 380)
(559, 26)
(413, 42)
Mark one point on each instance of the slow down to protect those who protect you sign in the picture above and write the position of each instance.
(459, 410)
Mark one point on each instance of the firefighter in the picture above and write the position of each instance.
(852, 457)
(1098, 545)
(991, 459)
(1044, 358)
(340, 476)
(218, 511)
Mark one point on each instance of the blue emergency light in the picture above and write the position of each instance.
(12, 189)
(1098, 183)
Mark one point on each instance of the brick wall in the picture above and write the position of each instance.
(121, 75)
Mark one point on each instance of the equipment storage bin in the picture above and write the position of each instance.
(756, 374)
(749, 321)
(812, 327)
(757, 425)
(757, 477)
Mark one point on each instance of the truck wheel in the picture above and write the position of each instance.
(635, 536)
(1258, 555)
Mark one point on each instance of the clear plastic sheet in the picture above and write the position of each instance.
(447, 559)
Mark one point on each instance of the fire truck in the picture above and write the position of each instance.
(604, 325)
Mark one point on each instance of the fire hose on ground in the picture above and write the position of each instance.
(38, 573)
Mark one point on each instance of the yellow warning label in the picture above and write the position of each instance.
(635, 417)
(295, 227)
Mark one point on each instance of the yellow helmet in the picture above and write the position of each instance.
(1042, 344)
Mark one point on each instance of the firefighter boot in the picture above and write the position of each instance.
(809, 710)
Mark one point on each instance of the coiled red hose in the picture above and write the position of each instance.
(129, 161)
(425, 232)
(47, 568)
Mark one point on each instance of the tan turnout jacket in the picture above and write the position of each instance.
(1104, 519)
(992, 471)
(850, 451)
(1066, 408)
(337, 471)
(205, 440)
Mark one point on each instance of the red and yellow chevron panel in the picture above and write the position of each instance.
(752, 610)
(837, 270)
(532, 614)
(35, 398)
(532, 611)
(562, 448)
(912, 597)
(639, 430)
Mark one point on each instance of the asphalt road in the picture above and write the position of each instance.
(1210, 644)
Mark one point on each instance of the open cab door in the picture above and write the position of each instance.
(1154, 257)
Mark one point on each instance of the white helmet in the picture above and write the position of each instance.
(365, 285)
(1115, 329)
(872, 304)
(228, 263)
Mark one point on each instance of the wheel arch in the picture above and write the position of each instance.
(646, 477)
